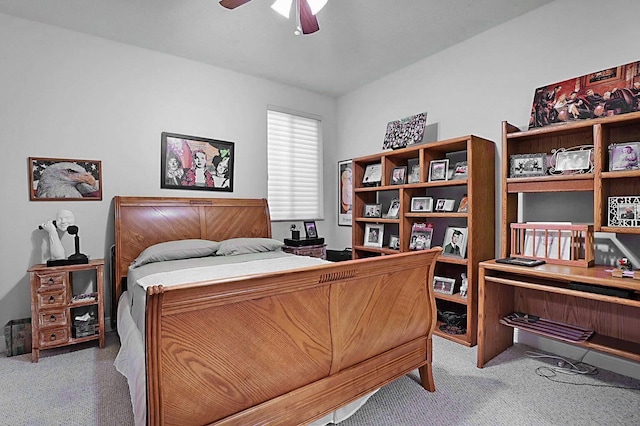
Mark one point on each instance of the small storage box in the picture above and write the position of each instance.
(85, 328)
(17, 334)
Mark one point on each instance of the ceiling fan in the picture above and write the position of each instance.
(305, 13)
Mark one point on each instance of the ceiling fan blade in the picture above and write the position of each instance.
(308, 21)
(232, 4)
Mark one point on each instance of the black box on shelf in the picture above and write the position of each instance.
(303, 242)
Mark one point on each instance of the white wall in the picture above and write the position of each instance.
(68, 95)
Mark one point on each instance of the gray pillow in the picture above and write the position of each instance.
(234, 246)
(174, 250)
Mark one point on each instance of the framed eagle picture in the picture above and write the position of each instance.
(61, 179)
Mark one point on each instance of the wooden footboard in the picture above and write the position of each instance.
(289, 347)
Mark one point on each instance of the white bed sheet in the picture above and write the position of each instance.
(130, 360)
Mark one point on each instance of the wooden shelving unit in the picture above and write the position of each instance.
(600, 133)
(479, 186)
(545, 290)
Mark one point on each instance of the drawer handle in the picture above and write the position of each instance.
(52, 299)
(52, 337)
(51, 280)
(52, 318)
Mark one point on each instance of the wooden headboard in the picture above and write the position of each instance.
(141, 222)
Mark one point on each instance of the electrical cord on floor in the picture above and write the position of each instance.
(564, 366)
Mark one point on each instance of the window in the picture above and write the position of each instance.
(294, 157)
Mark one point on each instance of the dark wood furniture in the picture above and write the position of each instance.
(318, 250)
(479, 186)
(545, 291)
(277, 348)
(54, 305)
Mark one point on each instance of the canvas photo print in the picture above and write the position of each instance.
(608, 92)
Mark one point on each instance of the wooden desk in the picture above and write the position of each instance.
(544, 291)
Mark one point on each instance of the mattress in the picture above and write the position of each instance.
(130, 360)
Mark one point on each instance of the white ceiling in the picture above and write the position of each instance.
(359, 40)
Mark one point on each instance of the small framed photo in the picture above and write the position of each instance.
(398, 175)
(444, 285)
(372, 175)
(464, 204)
(421, 236)
(438, 170)
(413, 169)
(624, 211)
(455, 242)
(310, 229)
(373, 235)
(574, 160)
(445, 205)
(624, 156)
(394, 209)
(394, 242)
(525, 165)
(421, 204)
(460, 170)
(373, 210)
(62, 179)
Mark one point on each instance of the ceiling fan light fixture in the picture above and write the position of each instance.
(283, 7)
(316, 5)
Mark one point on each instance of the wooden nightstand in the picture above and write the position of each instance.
(54, 305)
(319, 250)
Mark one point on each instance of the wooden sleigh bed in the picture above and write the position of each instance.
(275, 348)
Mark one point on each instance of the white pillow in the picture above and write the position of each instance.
(235, 246)
(174, 250)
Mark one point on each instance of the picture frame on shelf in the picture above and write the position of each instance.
(624, 212)
(444, 285)
(413, 170)
(445, 205)
(575, 160)
(372, 210)
(455, 242)
(394, 242)
(44, 184)
(624, 156)
(310, 229)
(460, 170)
(463, 207)
(373, 234)
(438, 170)
(528, 165)
(421, 204)
(421, 236)
(345, 192)
(193, 162)
(372, 175)
(394, 209)
(398, 175)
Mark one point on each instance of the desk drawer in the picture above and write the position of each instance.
(52, 299)
(49, 318)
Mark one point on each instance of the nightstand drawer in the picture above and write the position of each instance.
(52, 299)
(57, 317)
(54, 336)
(49, 281)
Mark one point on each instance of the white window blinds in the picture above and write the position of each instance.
(294, 165)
